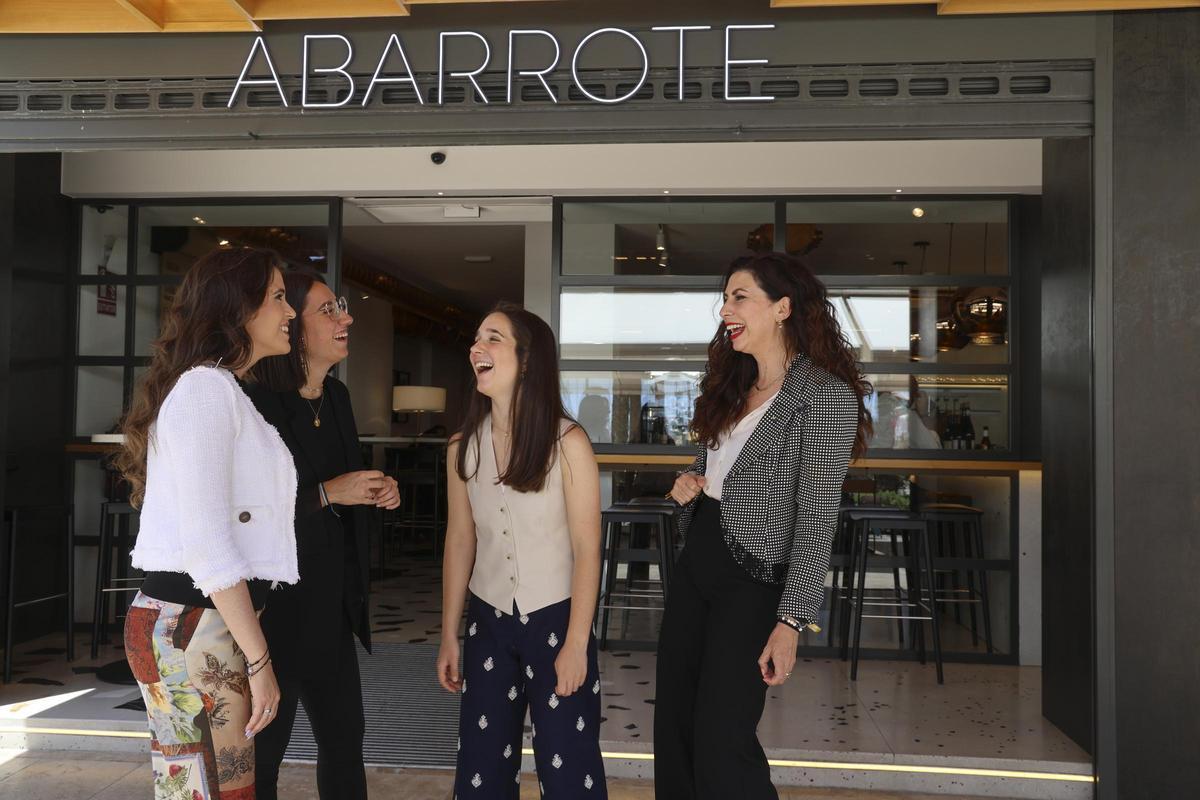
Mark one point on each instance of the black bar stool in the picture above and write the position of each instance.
(14, 517)
(960, 527)
(652, 515)
(913, 532)
(115, 527)
(841, 562)
(420, 474)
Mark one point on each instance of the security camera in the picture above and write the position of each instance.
(437, 157)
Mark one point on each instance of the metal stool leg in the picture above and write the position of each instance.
(70, 584)
(896, 591)
(847, 609)
(101, 581)
(861, 571)
(923, 545)
(983, 586)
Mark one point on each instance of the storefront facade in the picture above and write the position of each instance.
(652, 148)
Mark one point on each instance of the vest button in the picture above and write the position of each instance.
(244, 516)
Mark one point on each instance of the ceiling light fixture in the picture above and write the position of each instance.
(660, 239)
(223, 242)
(200, 221)
(918, 212)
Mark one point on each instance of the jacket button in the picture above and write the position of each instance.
(244, 516)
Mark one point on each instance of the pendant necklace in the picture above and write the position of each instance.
(316, 412)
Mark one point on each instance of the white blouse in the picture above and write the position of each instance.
(729, 447)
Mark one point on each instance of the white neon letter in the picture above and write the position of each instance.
(631, 92)
(728, 61)
(682, 29)
(540, 74)
(387, 48)
(487, 56)
(340, 70)
(242, 80)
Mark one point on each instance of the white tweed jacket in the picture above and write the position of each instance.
(220, 488)
(780, 498)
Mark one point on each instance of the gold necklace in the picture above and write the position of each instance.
(317, 411)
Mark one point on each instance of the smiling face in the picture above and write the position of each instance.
(750, 317)
(268, 328)
(326, 336)
(494, 357)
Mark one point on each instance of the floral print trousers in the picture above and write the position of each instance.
(193, 681)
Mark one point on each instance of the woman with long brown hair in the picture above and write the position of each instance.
(780, 413)
(524, 538)
(217, 491)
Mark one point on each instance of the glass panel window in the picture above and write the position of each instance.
(152, 305)
(103, 240)
(102, 320)
(632, 323)
(939, 412)
(928, 324)
(662, 238)
(900, 237)
(99, 399)
(171, 238)
(633, 407)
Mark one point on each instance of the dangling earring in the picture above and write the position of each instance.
(778, 323)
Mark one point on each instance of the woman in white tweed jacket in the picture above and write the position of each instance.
(779, 416)
(217, 490)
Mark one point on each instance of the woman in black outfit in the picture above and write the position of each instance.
(310, 626)
(779, 415)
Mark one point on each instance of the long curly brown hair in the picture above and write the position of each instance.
(206, 323)
(812, 329)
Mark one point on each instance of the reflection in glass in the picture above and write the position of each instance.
(100, 397)
(662, 238)
(939, 412)
(102, 320)
(943, 325)
(901, 237)
(605, 323)
(171, 238)
(103, 239)
(633, 407)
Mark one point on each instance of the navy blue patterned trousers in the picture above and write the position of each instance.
(508, 666)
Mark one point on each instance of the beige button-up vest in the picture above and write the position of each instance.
(522, 543)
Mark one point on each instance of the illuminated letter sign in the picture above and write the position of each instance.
(327, 70)
(487, 56)
(244, 81)
(403, 73)
(387, 49)
(637, 87)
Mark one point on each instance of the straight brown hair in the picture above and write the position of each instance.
(537, 408)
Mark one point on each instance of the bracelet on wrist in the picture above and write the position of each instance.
(252, 671)
(257, 661)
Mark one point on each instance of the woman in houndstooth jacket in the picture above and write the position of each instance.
(779, 416)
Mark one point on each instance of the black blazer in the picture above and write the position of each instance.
(302, 621)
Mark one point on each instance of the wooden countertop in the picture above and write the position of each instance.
(634, 460)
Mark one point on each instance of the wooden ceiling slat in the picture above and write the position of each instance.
(151, 12)
(324, 9)
(995, 6)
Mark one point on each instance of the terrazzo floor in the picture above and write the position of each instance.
(895, 711)
(103, 776)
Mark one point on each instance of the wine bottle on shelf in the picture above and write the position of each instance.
(968, 428)
(986, 442)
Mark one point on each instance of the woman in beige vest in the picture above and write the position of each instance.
(524, 539)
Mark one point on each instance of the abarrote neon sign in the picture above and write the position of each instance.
(402, 73)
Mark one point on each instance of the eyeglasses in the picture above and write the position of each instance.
(334, 309)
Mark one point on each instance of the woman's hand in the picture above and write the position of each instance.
(389, 496)
(779, 656)
(356, 488)
(687, 488)
(447, 666)
(264, 700)
(571, 669)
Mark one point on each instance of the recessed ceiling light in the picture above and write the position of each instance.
(478, 259)
(666, 191)
(918, 212)
(197, 219)
(366, 297)
(440, 194)
(223, 242)
(898, 191)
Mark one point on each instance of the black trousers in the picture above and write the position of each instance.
(335, 710)
(710, 691)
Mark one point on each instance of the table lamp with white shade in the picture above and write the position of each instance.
(418, 399)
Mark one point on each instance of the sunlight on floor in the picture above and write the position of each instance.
(29, 708)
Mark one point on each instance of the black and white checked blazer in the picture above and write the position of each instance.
(780, 499)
